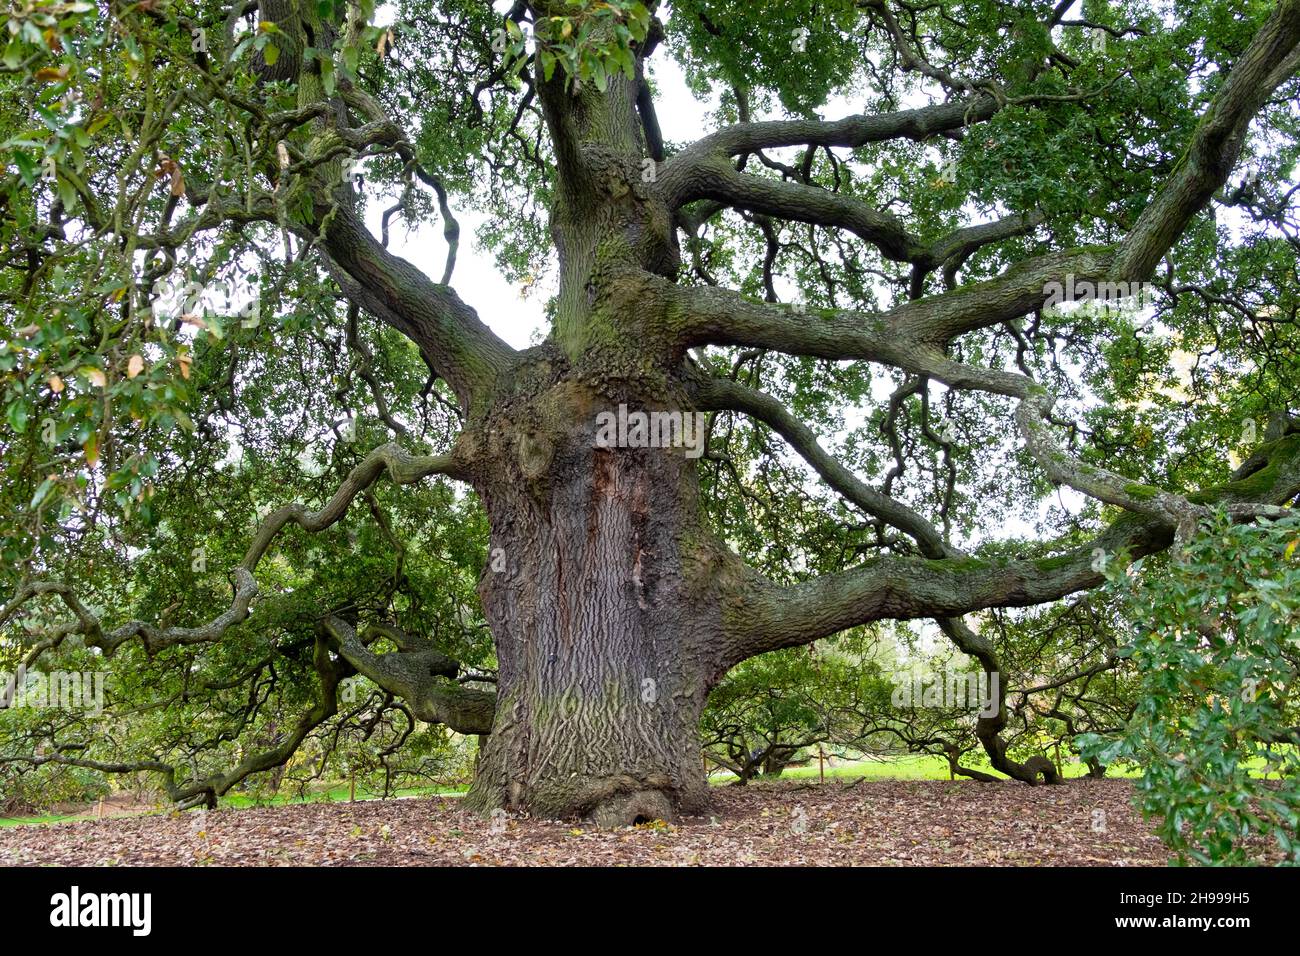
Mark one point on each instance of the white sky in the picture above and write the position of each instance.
(501, 304)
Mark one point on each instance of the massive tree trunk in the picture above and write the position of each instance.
(603, 585)
(601, 594)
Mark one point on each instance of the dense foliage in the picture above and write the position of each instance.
(1216, 642)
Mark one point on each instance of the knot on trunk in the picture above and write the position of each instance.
(536, 452)
(609, 802)
(625, 800)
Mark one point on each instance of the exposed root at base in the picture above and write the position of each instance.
(629, 809)
(609, 802)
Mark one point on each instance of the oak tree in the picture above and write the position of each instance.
(885, 278)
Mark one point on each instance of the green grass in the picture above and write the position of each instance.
(336, 793)
(29, 821)
(921, 767)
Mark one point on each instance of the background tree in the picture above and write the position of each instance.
(778, 709)
(984, 161)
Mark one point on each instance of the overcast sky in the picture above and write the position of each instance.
(501, 304)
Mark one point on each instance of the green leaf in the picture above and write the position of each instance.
(26, 167)
(42, 492)
(67, 194)
(17, 415)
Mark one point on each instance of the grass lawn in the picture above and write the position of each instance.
(337, 793)
(27, 821)
(920, 767)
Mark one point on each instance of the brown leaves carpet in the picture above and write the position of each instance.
(871, 822)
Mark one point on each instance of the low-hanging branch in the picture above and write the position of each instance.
(401, 466)
(772, 616)
(206, 790)
(423, 678)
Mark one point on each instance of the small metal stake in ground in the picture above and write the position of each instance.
(821, 763)
(352, 788)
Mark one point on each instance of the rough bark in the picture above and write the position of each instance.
(598, 588)
(602, 607)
